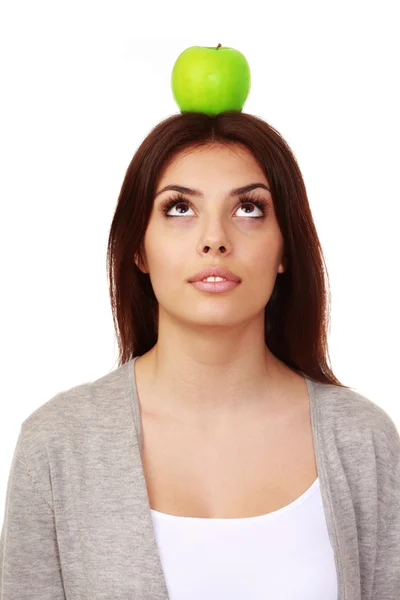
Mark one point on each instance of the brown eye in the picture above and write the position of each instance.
(178, 206)
(252, 212)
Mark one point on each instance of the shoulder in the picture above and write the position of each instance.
(69, 423)
(93, 404)
(354, 418)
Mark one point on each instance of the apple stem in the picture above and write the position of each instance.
(219, 46)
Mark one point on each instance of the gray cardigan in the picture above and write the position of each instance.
(77, 522)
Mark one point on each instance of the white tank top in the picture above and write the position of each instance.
(284, 555)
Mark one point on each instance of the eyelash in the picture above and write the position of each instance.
(258, 201)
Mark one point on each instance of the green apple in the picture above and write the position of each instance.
(210, 80)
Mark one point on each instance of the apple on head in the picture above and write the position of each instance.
(210, 80)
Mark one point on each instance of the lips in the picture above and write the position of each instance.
(215, 272)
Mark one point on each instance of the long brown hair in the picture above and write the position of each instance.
(297, 318)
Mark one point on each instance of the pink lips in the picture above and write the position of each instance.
(215, 272)
(215, 286)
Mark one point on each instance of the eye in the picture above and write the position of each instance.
(180, 201)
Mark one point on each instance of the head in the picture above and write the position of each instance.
(161, 237)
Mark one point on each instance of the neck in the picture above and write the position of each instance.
(210, 383)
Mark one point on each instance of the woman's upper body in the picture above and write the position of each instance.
(78, 522)
(291, 494)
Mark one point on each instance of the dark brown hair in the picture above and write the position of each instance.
(297, 318)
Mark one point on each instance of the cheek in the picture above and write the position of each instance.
(260, 266)
(266, 253)
(168, 251)
(166, 264)
(259, 258)
(159, 250)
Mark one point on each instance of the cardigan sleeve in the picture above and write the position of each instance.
(386, 584)
(29, 559)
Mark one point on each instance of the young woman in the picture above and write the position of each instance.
(222, 458)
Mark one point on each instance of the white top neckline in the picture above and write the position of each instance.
(297, 502)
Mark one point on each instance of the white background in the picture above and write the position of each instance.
(82, 85)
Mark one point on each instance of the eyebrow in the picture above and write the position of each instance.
(194, 192)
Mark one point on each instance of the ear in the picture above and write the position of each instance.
(283, 265)
(139, 262)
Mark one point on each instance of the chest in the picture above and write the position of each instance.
(244, 471)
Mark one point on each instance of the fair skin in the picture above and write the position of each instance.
(210, 366)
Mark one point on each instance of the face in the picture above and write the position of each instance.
(175, 246)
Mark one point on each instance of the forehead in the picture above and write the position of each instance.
(212, 162)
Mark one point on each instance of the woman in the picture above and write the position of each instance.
(222, 458)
